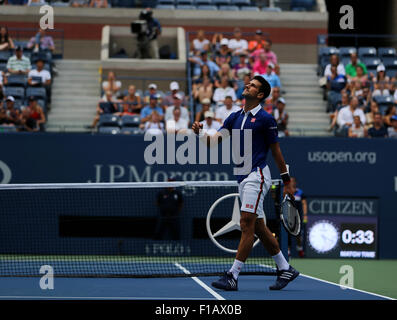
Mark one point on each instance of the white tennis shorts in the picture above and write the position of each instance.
(253, 190)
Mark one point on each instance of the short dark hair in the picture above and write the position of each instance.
(265, 86)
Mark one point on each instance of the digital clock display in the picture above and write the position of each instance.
(355, 236)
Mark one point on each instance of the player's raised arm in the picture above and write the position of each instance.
(279, 159)
(212, 140)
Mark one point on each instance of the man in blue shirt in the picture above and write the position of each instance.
(256, 182)
(147, 111)
(271, 76)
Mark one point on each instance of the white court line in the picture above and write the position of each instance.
(201, 283)
(339, 285)
(97, 298)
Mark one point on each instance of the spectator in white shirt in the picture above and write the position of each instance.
(334, 61)
(223, 91)
(346, 114)
(200, 43)
(45, 76)
(237, 45)
(210, 126)
(177, 104)
(154, 126)
(223, 112)
(177, 123)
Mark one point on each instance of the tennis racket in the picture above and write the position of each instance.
(290, 216)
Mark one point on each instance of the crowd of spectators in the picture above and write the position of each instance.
(25, 81)
(221, 67)
(361, 98)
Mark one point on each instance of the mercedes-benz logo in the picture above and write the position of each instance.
(234, 224)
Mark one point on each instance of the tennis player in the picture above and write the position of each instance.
(254, 186)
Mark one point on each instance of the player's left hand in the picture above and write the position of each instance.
(288, 189)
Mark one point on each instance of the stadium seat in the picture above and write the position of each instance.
(109, 130)
(346, 51)
(4, 56)
(60, 4)
(109, 120)
(271, 9)
(7, 128)
(245, 8)
(383, 102)
(203, 2)
(149, 3)
(371, 62)
(390, 62)
(131, 130)
(298, 5)
(207, 7)
(162, 2)
(22, 44)
(39, 93)
(391, 73)
(345, 60)
(46, 56)
(130, 121)
(221, 2)
(184, 2)
(186, 7)
(17, 80)
(384, 52)
(366, 52)
(229, 8)
(16, 92)
(18, 103)
(3, 66)
(123, 3)
(241, 3)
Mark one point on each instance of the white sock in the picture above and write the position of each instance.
(236, 268)
(282, 264)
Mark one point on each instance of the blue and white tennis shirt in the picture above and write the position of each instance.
(264, 133)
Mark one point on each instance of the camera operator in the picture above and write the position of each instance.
(147, 37)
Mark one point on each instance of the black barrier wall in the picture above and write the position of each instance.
(324, 167)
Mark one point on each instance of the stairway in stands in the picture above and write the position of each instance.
(305, 105)
(75, 94)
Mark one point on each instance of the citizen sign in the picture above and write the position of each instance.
(357, 207)
(5, 173)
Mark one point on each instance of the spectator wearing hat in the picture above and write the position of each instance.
(132, 102)
(18, 63)
(152, 91)
(205, 106)
(44, 75)
(223, 112)
(210, 126)
(200, 60)
(36, 113)
(41, 41)
(271, 77)
(392, 131)
(169, 99)
(357, 130)
(378, 130)
(257, 43)
(351, 68)
(12, 114)
(176, 123)
(238, 45)
(200, 43)
(281, 117)
(381, 82)
(223, 91)
(223, 55)
(177, 103)
(153, 106)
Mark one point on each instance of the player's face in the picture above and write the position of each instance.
(251, 90)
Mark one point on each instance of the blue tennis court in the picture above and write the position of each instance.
(186, 288)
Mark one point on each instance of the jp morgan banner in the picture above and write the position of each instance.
(342, 206)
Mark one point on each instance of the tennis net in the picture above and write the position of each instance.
(126, 229)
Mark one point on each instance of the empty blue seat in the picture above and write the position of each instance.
(327, 51)
(346, 51)
(345, 60)
(131, 130)
(302, 5)
(130, 121)
(4, 128)
(46, 56)
(241, 3)
(123, 3)
(109, 120)
(60, 4)
(38, 93)
(161, 2)
(245, 8)
(109, 130)
(366, 52)
(17, 80)
(384, 52)
(203, 2)
(16, 92)
(4, 56)
(229, 8)
(186, 7)
(187, 2)
(371, 62)
(207, 7)
(271, 9)
(391, 73)
(3, 66)
(390, 62)
(221, 2)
